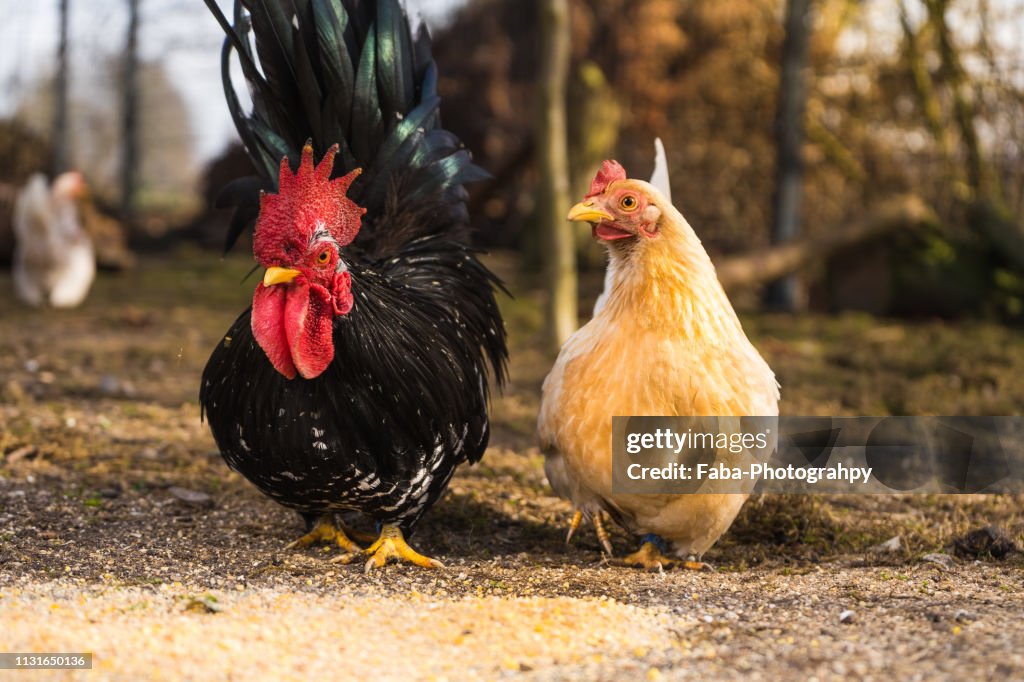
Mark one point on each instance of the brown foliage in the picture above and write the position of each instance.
(703, 75)
(699, 75)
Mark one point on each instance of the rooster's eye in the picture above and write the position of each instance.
(323, 258)
(628, 202)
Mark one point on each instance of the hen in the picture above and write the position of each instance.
(358, 380)
(664, 341)
(54, 262)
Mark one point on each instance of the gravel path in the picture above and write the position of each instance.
(927, 622)
(123, 533)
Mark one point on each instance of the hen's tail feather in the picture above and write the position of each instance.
(348, 72)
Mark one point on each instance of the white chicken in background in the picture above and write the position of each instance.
(54, 261)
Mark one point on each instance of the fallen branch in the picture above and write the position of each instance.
(747, 270)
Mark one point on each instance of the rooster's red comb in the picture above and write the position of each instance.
(306, 201)
(611, 171)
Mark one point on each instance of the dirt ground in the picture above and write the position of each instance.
(123, 533)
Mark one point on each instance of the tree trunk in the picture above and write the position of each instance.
(60, 100)
(552, 152)
(987, 211)
(596, 116)
(931, 106)
(789, 131)
(963, 110)
(130, 153)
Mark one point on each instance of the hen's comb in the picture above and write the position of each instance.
(611, 171)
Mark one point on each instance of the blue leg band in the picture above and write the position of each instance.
(657, 541)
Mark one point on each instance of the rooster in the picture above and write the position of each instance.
(663, 341)
(54, 262)
(358, 380)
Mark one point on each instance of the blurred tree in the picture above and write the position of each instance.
(129, 112)
(982, 239)
(594, 109)
(783, 294)
(704, 75)
(552, 147)
(167, 169)
(698, 74)
(60, 110)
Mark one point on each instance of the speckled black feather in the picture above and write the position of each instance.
(382, 410)
(405, 400)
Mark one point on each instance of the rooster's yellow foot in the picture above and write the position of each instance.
(328, 532)
(390, 546)
(602, 534)
(358, 535)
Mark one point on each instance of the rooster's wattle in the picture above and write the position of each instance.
(358, 380)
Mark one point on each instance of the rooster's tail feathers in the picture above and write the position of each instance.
(346, 72)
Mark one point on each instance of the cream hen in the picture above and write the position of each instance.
(664, 341)
(54, 261)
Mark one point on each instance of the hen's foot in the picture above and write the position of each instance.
(648, 557)
(602, 534)
(390, 546)
(651, 557)
(326, 532)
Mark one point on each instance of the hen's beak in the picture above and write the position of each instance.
(276, 275)
(586, 212)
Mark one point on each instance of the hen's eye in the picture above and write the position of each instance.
(323, 257)
(628, 202)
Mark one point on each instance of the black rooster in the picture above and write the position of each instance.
(358, 381)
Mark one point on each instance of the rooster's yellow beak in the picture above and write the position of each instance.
(277, 275)
(586, 212)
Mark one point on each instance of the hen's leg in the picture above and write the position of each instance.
(602, 534)
(574, 525)
(329, 532)
(390, 546)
